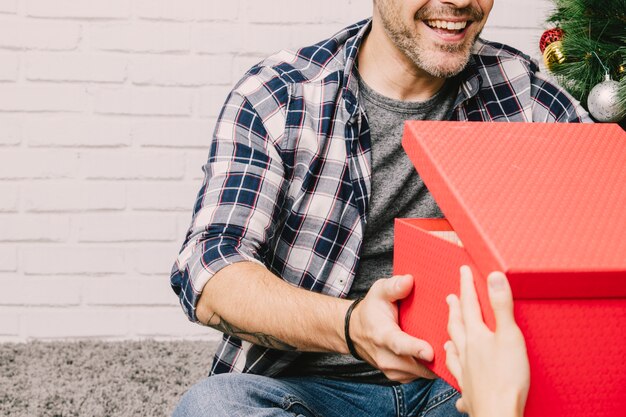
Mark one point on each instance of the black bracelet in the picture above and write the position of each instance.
(346, 329)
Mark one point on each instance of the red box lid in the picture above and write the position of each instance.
(543, 202)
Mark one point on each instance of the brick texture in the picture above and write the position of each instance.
(8, 259)
(9, 201)
(9, 323)
(16, 97)
(187, 10)
(43, 323)
(144, 101)
(17, 164)
(72, 260)
(124, 164)
(189, 133)
(90, 9)
(72, 196)
(125, 228)
(163, 197)
(76, 131)
(9, 67)
(23, 33)
(28, 291)
(10, 131)
(106, 114)
(8, 6)
(172, 71)
(153, 259)
(34, 228)
(123, 291)
(59, 66)
(156, 37)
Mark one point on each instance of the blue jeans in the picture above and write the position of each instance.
(245, 395)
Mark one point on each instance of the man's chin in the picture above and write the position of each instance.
(444, 66)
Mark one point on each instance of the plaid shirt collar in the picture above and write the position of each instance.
(350, 80)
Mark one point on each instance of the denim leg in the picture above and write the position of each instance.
(440, 402)
(246, 395)
(338, 398)
(239, 395)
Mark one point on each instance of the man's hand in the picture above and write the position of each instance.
(378, 339)
(491, 367)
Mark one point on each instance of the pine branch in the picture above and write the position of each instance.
(595, 38)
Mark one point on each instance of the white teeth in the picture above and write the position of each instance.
(442, 24)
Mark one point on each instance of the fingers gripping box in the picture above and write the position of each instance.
(545, 204)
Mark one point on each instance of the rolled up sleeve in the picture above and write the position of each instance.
(237, 206)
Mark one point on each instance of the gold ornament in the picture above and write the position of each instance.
(553, 54)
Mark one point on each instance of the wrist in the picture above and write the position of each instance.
(335, 315)
(347, 336)
(339, 317)
(502, 405)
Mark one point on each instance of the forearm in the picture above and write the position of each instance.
(247, 301)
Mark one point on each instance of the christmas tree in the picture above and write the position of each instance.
(587, 45)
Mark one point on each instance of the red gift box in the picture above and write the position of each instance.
(545, 204)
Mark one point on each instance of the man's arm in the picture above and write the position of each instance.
(245, 300)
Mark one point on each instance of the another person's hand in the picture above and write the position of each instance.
(378, 338)
(491, 367)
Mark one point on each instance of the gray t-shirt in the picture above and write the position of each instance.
(397, 192)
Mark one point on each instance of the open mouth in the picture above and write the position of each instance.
(448, 28)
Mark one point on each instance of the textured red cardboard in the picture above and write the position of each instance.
(546, 204)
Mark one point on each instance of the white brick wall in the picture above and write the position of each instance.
(106, 113)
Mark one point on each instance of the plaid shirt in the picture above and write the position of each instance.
(288, 175)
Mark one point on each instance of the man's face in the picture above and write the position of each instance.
(437, 35)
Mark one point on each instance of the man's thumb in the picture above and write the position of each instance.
(398, 287)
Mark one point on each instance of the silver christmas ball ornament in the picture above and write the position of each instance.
(603, 102)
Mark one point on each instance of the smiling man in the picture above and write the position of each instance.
(290, 249)
(430, 40)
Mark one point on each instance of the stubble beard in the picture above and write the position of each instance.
(410, 43)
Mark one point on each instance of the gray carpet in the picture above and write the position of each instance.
(90, 378)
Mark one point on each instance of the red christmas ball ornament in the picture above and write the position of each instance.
(550, 36)
(551, 47)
